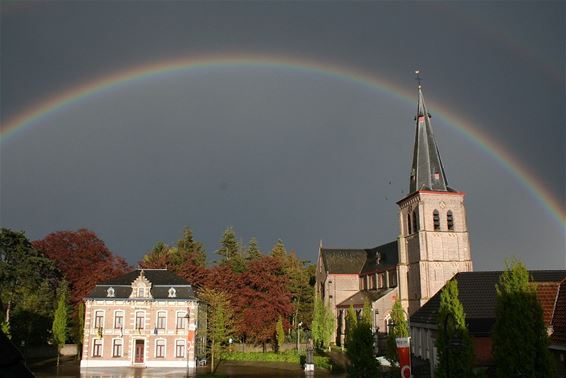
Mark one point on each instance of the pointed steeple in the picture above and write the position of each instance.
(427, 172)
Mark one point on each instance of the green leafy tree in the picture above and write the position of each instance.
(360, 351)
(453, 343)
(280, 333)
(79, 330)
(27, 284)
(220, 321)
(367, 312)
(323, 324)
(59, 327)
(190, 249)
(351, 323)
(400, 329)
(253, 252)
(520, 340)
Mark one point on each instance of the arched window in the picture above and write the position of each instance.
(415, 221)
(436, 220)
(172, 293)
(450, 220)
(409, 223)
(110, 292)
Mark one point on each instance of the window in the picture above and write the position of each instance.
(160, 348)
(97, 348)
(161, 320)
(141, 292)
(140, 319)
(180, 349)
(110, 292)
(409, 223)
(415, 220)
(119, 319)
(98, 318)
(180, 323)
(117, 348)
(450, 220)
(392, 278)
(172, 293)
(436, 220)
(373, 284)
(380, 280)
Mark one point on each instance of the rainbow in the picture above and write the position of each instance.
(32, 117)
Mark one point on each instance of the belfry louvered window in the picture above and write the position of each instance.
(436, 220)
(450, 220)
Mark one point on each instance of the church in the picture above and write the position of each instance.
(433, 245)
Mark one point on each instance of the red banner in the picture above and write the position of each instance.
(404, 356)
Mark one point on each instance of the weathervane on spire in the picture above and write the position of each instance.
(418, 78)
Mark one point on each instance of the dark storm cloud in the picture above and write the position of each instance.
(299, 157)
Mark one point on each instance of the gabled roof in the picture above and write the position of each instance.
(357, 261)
(427, 172)
(161, 281)
(359, 299)
(476, 291)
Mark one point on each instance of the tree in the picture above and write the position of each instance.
(28, 281)
(83, 258)
(400, 329)
(231, 251)
(278, 251)
(360, 351)
(520, 340)
(453, 343)
(79, 330)
(220, 321)
(323, 323)
(187, 259)
(253, 251)
(260, 297)
(280, 333)
(59, 327)
(351, 323)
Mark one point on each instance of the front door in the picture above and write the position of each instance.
(139, 352)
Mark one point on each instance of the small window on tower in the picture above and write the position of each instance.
(436, 220)
(409, 223)
(450, 220)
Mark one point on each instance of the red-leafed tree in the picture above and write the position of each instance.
(83, 258)
(260, 298)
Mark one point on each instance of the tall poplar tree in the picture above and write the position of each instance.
(520, 340)
(60, 319)
(400, 328)
(453, 342)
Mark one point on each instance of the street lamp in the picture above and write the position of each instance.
(299, 335)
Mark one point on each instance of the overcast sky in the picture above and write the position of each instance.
(277, 152)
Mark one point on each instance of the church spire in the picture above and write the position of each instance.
(427, 172)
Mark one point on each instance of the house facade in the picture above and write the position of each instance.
(145, 318)
(433, 244)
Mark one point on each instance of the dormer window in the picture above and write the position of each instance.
(172, 293)
(141, 292)
(110, 292)
(141, 287)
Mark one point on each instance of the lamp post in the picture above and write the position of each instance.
(299, 336)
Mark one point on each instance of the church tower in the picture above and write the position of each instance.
(433, 243)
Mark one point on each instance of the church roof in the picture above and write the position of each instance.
(358, 261)
(359, 299)
(427, 171)
(161, 281)
(382, 257)
(343, 261)
(476, 291)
